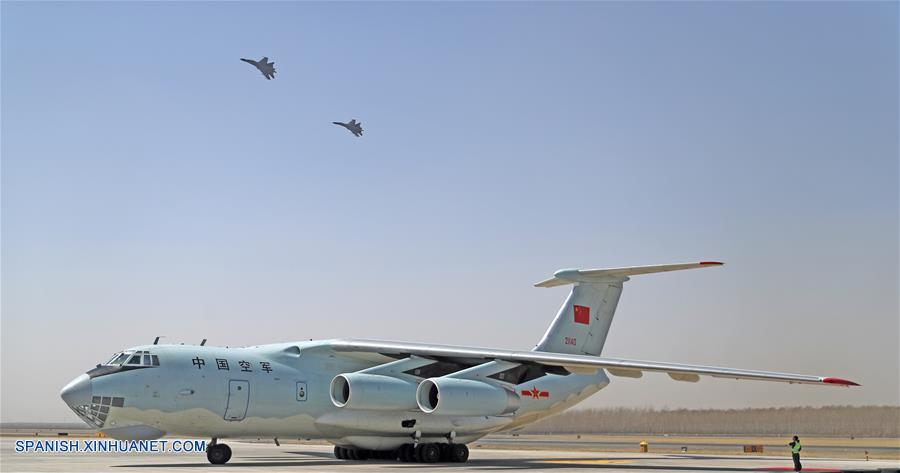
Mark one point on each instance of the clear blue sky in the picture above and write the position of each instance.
(153, 184)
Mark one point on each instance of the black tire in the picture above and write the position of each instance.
(417, 453)
(459, 453)
(218, 454)
(340, 453)
(352, 454)
(406, 453)
(363, 454)
(445, 452)
(429, 453)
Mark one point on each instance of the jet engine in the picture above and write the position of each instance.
(464, 397)
(372, 391)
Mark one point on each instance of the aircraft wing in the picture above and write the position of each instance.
(578, 364)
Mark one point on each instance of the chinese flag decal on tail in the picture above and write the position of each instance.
(535, 393)
(582, 315)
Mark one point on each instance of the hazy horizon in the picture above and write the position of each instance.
(155, 185)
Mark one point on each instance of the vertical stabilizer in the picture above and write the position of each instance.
(583, 321)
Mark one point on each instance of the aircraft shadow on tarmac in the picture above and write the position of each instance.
(322, 459)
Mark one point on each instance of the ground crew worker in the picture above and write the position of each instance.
(795, 453)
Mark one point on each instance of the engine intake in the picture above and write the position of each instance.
(464, 397)
(372, 391)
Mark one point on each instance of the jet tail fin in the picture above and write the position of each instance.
(583, 321)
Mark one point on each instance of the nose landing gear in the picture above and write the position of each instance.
(218, 453)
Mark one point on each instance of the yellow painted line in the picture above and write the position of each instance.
(587, 462)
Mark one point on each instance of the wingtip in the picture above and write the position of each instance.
(839, 381)
(711, 263)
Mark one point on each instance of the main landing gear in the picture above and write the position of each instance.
(420, 453)
(218, 453)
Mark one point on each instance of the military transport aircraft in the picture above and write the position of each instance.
(374, 399)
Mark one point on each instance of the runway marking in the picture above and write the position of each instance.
(586, 462)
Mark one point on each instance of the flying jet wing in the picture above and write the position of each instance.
(578, 364)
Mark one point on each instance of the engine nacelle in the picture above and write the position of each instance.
(372, 391)
(464, 397)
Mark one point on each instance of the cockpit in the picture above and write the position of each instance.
(125, 361)
(133, 358)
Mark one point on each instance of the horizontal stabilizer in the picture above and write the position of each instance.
(572, 276)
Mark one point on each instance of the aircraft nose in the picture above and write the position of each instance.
(77, 392)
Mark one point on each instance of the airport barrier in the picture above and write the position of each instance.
(753, 449)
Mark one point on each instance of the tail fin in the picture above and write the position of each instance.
(583, 321)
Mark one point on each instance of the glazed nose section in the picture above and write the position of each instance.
(77, 392)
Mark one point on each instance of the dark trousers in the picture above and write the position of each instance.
(797, 465)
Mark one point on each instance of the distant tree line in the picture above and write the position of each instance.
(829, 421)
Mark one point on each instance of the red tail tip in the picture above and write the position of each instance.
(842, 382)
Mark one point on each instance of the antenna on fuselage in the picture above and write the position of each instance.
(156, 340)
(203, 342)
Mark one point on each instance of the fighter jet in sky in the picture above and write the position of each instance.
(267, 68)
(354, 127)
(415, 402)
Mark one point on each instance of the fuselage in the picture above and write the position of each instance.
(280, 390)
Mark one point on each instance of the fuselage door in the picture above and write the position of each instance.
(238, 398)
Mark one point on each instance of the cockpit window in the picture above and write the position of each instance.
(139, 358)
(118, 359)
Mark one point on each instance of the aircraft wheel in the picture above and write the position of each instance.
(218, 454)
(459, 453)
(406, 453)
(429, 453)
(417, 453)
(362, 454)
(339, 453)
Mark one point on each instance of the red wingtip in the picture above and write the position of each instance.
(713, 263)
(839, 381)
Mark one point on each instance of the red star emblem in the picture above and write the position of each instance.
(535, 392)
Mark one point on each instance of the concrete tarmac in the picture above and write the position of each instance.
(264, 457)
